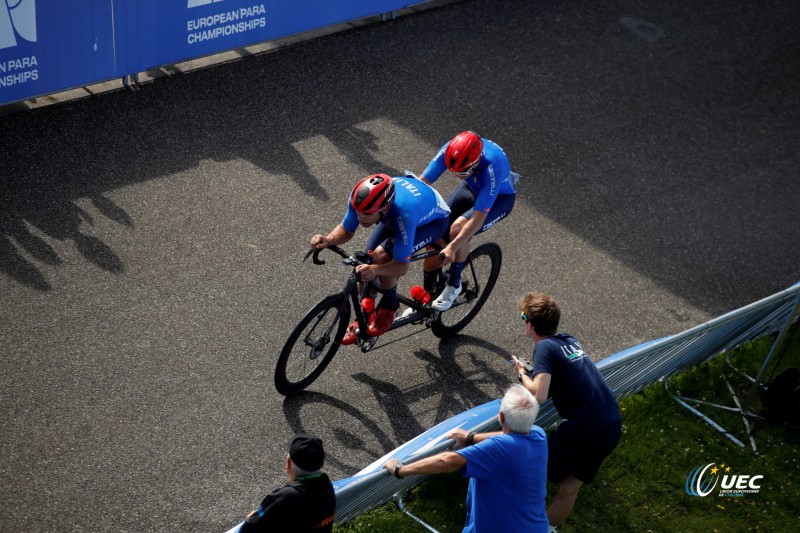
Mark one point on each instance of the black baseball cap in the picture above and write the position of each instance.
(306, 452)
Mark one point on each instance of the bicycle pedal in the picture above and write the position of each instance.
(367, 343)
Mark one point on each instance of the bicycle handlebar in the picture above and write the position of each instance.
(314, 254)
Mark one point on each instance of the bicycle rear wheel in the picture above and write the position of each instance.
(312, 345)
(477, 279)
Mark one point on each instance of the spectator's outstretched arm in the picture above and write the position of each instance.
(437, 464)
(461, 436)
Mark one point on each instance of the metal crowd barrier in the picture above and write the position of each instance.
(626, 372)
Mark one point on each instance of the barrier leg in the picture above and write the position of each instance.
(398, 498)
(701, 415)
(741, 407)
(777, 348)
(744, 416)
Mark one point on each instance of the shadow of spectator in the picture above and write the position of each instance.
(18, 267)
(62, 220)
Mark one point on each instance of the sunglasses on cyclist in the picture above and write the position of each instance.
(523, 316)
(468, 171)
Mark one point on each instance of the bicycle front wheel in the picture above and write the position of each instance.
(312, 345)
(477, 279)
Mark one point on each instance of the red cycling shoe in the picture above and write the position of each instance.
(350, 336)
(381, 322)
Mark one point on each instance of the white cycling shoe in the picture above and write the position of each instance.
(446, 299)
(408, 312)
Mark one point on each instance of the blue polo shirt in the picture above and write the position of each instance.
(507, 486)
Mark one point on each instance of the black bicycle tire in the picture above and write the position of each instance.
(286, 386)
(496, 256)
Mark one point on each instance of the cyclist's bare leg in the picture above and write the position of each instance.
(456, 256)
(462, 251)
(431, 267)
(434, 262)
(390, 271)
(380, 257)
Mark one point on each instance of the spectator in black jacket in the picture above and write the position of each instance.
(307, 502)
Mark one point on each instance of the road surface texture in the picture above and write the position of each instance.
(150, 239)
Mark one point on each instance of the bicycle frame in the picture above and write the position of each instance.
(352, 289)
(308, 350)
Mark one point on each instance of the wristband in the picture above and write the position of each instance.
(397, 470)
(520, 376)
(470, 438)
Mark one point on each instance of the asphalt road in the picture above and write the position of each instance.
(150, 239)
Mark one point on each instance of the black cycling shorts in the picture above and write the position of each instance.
(423, 235)
(462, 203)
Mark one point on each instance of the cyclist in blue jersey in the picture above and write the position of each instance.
(409, 215)
(485, 196)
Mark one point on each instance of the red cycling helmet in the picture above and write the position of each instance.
(463, 151)
(372, 194)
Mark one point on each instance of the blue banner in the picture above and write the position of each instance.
(150, 33)
(51, 45)
(54, 45)
(422, 444)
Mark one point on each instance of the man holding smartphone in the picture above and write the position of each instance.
(592, 423)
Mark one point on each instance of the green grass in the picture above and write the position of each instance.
(641, 486)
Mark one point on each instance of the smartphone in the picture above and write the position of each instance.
(528, 366)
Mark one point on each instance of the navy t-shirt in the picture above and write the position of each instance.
(579, 391)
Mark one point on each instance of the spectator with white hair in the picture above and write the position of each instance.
(507, 470)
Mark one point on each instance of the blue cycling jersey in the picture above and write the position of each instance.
(415, 204)
(491, 178)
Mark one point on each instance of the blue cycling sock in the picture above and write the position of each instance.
(389, 300)
(455, 274)
(429, 280)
